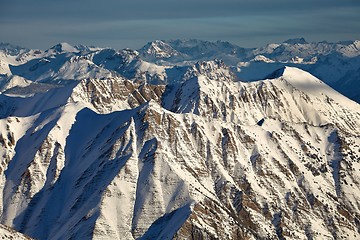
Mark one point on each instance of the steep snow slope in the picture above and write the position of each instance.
(202, 157)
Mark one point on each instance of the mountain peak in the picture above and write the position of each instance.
(213, 70)
(294, 74)
(64, 47)
(298, 75)
(296, 41)
(12, 49)
(158, 49)
(308, 83)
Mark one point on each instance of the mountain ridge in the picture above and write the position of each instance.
(336, 63)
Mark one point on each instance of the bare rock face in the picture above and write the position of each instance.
(205, 158)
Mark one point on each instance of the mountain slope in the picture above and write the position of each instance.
(202, 157)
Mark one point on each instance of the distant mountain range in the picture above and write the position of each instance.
(338, 64)
(181, 139)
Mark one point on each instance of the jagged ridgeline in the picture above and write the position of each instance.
(154, 144)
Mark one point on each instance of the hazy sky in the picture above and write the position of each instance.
(132, 23)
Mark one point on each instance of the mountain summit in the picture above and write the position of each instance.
(296, 41)
(63, 47)
(158, 49)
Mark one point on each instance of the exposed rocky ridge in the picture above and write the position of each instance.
(102, 96)
(9, 233)
(202, 158)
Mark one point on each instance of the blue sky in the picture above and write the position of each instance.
(132, 23)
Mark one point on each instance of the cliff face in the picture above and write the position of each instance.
(203, 158)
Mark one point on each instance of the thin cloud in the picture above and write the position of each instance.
(135, 22)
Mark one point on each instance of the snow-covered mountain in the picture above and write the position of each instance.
(161, 62)
(158, 49)
(336, 63)
(105, 144)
